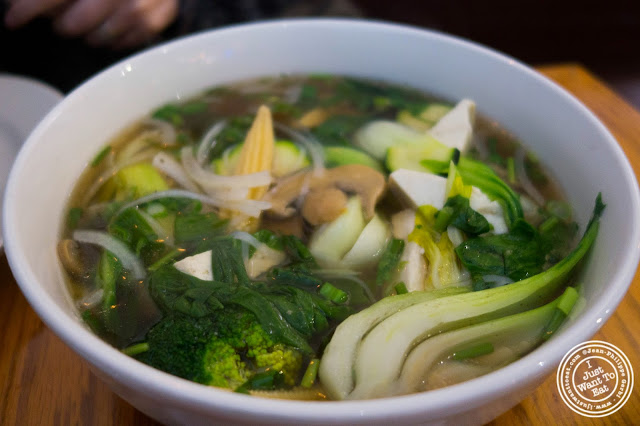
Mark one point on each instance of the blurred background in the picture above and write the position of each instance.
(603, 36)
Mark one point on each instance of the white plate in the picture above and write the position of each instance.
(23, 103)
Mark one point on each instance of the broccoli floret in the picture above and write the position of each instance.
(224, 350)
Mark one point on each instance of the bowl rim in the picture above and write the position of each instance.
(535, 365)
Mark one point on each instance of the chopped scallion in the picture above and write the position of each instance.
(98, 158)
(165, 259)
(136, 349)
(310, 374)
(75, 214)
(443, 218)
(401, 288)
(548, 224)
(565, 304)
(333, 293)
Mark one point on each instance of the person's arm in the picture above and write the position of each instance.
(113, 23)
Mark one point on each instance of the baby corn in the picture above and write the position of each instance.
(257, 151)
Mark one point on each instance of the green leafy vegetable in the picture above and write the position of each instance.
(389, 261)
(458, 213)
(383, 352)
(517, 254)
(480, 175)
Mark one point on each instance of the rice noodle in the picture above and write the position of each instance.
(158, 229)
(167, 131)
(313, 147)
(172, 168)
(208, 141)
(524, 180)
(119, 249)
(249, 207)
(212, 182)
(247, 238)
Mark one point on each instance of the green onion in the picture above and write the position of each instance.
(565, 304)
(136, 349)
(268, 380)
(75, 214)
(548, 224)
(455, 157)
(98, 158)
(333, 293)
(511, 170)
(474, 351)
(401, 288)
(443, 218)
(310, 374)
(165, 259)
(389, 260)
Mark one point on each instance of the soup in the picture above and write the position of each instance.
(315, 237)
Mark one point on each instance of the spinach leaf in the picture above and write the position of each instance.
(226, 262)
(269, 317)
(174, 291)
(338, 129)
(233, 133)
(458, 213)
(298, 253)
(196, 227)
(267, 237)
(518, 254)
(130, 227)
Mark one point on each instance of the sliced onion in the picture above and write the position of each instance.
(167, 131)
(119, 249)
(212, 182)
(247, 238)
(526, 183)
(249, 207)
(135, 146)
(313, 147)
(91, 299)
(208, 141)
(157, 228)
(172, 168)
(235, 194)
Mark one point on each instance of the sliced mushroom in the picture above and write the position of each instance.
(284, 195)
(349, 179)
(323, 205)
(289, 226)
(69, 254)
(359, 179)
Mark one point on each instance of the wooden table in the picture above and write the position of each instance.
(42, 382)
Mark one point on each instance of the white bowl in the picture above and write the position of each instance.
(582, 154)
